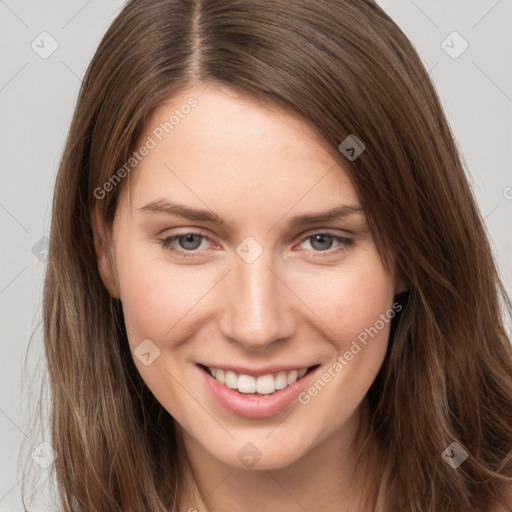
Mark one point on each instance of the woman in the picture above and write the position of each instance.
(206, 350)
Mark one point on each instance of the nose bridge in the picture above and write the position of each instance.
(255, 308)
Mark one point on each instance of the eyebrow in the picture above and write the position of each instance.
(164, 206)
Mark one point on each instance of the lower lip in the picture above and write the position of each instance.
(252, 405)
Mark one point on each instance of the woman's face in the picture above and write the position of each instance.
(254, 288)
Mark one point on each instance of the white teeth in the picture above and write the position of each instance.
(292, 377)
(281, 381)
(231, 380)
(265, 385)
(246, 384)
(219, 374)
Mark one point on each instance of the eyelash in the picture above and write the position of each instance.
(345, 243)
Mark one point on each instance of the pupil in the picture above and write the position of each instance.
(188, 239)
(321, 238)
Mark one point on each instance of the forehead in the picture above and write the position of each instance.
(234, 150)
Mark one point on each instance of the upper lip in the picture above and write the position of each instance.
(258, 372)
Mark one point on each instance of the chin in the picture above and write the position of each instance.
(260, 453)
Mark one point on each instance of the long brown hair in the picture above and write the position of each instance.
(346, 68)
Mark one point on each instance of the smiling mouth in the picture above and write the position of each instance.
(263, 385)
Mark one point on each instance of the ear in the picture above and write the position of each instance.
(103, 254)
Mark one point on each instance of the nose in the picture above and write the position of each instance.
(256, 302)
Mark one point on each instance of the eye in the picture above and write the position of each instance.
(322, 242)
(188, 241)
(188, 244)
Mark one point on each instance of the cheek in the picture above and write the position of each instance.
(155, 294)
(356, 308)
(350, 298)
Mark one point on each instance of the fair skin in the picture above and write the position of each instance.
(300, 302)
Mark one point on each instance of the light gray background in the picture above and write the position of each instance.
(37, 98)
